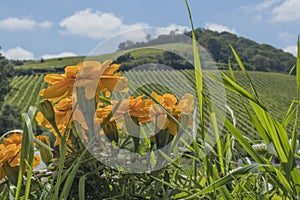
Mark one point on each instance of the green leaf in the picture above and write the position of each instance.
(226, 179)
(68, 183)
(243, 141)
(273, 129)
(283, 180)
(197, 65)
(244, 70)
(298, 68)
(231, 70)
(218, 141)
(260, 129)
(82, 187)
(27, 154)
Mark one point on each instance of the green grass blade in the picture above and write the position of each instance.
(258, 126)
(233, 86)
(295, 133)
(284, 182)
(218, 141)
(240, 63)
(26, 154)
(292, 69)
(289, 116)
(226, 179)
(69, 182)
(231, 70)
(197, 65)
(298, 68)
(82, 187)
(62, 158)
(243, 141)
(283, 137)
(30, 156)
(274, 130)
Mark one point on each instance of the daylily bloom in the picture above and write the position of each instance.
(10, 153)
(135, 107)
(63, 112)
(61, 84)
(93, 76)
(169, 102)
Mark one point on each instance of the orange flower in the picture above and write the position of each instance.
(10, 153)
(63, 112)
(135, 107)
(169, 102)
(92, 75)
(102, 114)
(95, 77)
(61, 84)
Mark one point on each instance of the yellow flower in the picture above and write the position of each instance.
(95, 77)
(10, 153)
(61, 84)
(92, 75)
(102, 114)
(135, 107)
(169, 102)
(63, 112)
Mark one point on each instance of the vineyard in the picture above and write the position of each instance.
(25, 91)
(277, 90)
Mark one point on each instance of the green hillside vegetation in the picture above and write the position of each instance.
(276, 89)
(256, 57)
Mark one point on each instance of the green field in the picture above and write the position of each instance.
(276, 90)
(138, 56)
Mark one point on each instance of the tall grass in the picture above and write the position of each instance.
(222, 174)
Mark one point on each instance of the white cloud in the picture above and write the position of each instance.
(45, 24)
(63, 54)
(96, 24)
(18, 53)
(265, 5)
(287, 11)
(291, 49)
(219, 28)
(133, 32)
(177, 29)
(13, 23)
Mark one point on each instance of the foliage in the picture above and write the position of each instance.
(276, 99)
(205, 171)
(10, 118)
(7, 113)
(6, 73)
(256, 57)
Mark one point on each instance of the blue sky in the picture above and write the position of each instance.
(33, 29)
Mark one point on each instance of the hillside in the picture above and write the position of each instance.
(277, 90)
(256, 57)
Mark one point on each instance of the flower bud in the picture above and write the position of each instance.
(45, 153)
(11, 173)
(47, 110)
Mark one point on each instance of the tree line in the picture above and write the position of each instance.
(256, 57)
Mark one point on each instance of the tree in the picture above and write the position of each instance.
(8, 115)
(6, 74)
(10, 118)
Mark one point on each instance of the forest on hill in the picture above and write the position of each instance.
(255, 56)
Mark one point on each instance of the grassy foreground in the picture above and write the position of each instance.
(127, 125)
